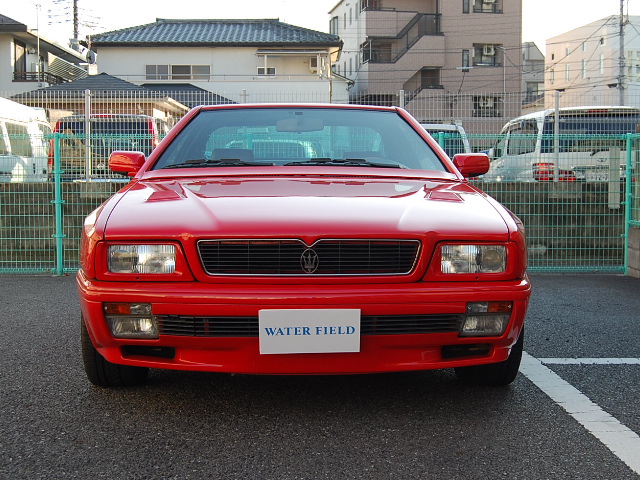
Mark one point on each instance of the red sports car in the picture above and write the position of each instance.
(301, 239)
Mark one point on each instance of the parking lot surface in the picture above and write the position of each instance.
(571, 413)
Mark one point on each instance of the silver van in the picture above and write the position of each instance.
(450, 136)
(24, 135)
(587, 145)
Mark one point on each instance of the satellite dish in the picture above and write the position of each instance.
(91, 57)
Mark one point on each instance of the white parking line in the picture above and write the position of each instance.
(590, 361)
(622, 441)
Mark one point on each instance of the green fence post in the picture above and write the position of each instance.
(627, 200)
(58, 201)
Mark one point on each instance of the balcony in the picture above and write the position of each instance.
(390, 49)
(39, 77)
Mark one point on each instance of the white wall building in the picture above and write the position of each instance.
(242, 60)
(584, 64)
(29, 61)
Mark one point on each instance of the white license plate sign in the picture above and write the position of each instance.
(309, 330)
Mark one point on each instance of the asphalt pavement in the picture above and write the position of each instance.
(582, 333)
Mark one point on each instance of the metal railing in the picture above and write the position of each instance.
(572, 226)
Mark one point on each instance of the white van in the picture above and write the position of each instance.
(24, 135)
(450, 136)
(586, 146)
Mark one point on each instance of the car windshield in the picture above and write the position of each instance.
(299, 136)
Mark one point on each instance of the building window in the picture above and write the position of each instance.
(602, 64)
(535, 92)
(266, 71)
(430, 78)
(200, 72)
(584, 68)
(485, 55)
(333, 26)
(371, 4)
(157, 72)
(466, 60)
(487, 6)
(552, 76)
(486, 106)
(177, 72)
(567, 72)
(465, 6)
(376, 52)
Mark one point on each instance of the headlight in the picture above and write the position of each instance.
(473, 258)
(141, 258)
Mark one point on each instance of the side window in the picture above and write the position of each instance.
(44, 134)
(19, 140)
(3, 146)
(499, 148)
(522, 138)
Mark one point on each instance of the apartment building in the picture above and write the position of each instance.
(586, 67)
(441, 59)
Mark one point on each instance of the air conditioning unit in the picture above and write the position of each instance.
(488, 50)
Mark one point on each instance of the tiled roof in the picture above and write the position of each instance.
(10, 25)
(100, 85)
(187, 94)
(268, 32)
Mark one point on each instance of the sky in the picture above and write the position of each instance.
(539, 23)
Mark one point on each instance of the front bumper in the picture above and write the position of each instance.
(241, 354)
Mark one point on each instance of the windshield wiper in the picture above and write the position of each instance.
(223, 162)
(346, 162)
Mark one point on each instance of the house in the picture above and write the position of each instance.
(433, 52)
(30, 61)
(585, 65)
(240, 60)
(104, 93)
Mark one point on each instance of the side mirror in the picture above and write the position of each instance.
(471, 164)
(126, 163)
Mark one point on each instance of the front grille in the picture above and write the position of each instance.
(294, 257)
(248, 326)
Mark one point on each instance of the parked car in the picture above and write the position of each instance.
(450, 136)
(82, 155)
(379, 256)
(24, 134)
(587, 145)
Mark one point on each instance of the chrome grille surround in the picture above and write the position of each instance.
(293, 257)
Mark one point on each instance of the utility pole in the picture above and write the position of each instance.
(621, 61)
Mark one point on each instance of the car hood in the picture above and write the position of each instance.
(275, 206)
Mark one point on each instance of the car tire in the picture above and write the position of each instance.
(103, 373)
(494, 374)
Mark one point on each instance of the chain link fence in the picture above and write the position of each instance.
(575, 222)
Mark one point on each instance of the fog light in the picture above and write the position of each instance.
(485, 319)
(483, 326)
(133, 327)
